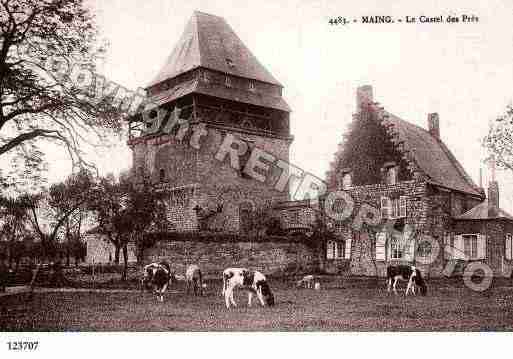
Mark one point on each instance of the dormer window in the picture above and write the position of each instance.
(347, 179)
(390, 173)
(228, 81)
(251, 85)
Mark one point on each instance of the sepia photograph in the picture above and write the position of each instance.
(240, 166)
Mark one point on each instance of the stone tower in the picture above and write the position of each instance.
(211, 99)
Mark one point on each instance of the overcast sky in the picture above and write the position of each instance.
(463, 71)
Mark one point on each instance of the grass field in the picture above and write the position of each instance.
(342, 305)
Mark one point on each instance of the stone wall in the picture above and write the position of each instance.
(495, 231)
(362, 242)
(271, 258)
(215, 182)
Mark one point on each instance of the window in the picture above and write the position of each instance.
(335, 250)
(469, 247)
(294, 217)
(162, 175)
(386, 207)
(390, 173)
(346, 181)
(251, 86)
(395, 208)
(228, 81)
(205, 77)
(509, 247)
(424, 249)
(230, 63)
(396, 249)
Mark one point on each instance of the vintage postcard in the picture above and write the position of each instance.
(264, 166)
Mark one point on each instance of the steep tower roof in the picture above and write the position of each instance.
(208, 41)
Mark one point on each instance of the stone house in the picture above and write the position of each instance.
(429, 211)
(214, 105)
(99, 250)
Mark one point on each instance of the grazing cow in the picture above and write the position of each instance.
(193, 277)
(307, 281)
(156, 277)
(406, 273)
(252, 281)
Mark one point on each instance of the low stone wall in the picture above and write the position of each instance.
(270, 257)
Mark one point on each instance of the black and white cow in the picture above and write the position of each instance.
(407, 273)
(307, 281)
(156, 277)
(252, 281)
(194, 278)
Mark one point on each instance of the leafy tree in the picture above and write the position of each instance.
(47, 47)
(68, 205)
(499, 140)
(14, 217)
(50, 212)
(125, 211)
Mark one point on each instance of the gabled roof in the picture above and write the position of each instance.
(431, 156)
(208, 41)
(481, 212)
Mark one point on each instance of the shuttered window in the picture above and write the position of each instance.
(381, 240)
(348, 248)
(508, 254)
(481, 247)
(471, 246)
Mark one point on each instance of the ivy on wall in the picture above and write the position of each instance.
(366, 148)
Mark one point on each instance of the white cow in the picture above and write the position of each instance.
(252, 281)
(194, 277)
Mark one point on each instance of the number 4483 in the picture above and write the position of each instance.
(22, 346)
(340, 20)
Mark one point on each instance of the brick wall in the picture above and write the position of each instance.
(275, 258)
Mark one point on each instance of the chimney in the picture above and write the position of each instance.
(493, 199)
(363, 96)
(434, 125)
